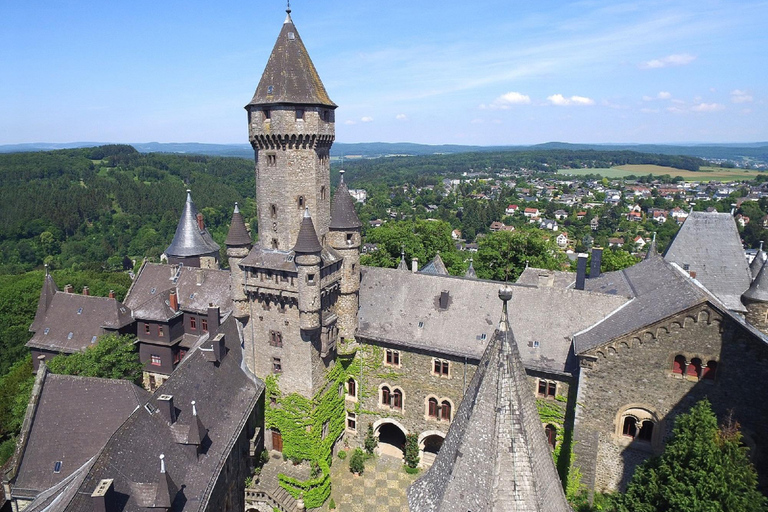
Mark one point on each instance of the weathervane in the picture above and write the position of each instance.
(288, 10)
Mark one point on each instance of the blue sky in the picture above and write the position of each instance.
(485, 72)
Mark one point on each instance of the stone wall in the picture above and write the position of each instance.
(632, 376)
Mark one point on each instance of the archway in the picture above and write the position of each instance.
(430, 446)
(391, 439)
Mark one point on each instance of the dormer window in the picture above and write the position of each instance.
(291, 36)
(69, 336)
(47, 330)
(299, 113)
(270, 90)
(79, 311)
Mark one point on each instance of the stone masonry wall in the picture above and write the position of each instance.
(632, 375)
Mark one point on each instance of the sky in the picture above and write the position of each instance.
(486, 72)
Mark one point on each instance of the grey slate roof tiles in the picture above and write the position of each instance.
(343, 214)
(436, 267)
(758, 290)
(402, 308)
(495, 457)
(74, 418)
(290, 76)
(238, 234)
(72, 322)
(46, 297)
(189, 239)
(306, 241)
(709, 244)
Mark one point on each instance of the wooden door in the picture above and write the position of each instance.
(277, 441)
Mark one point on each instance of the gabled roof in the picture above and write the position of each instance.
(436, 267)
(709, 244)
(306, 241)
(46, 297)
(290, 77)
(225, 394)
(72, 322)
(343, 214)
(403, 308)
(238, 233)
(189, 239)
(495, 456)
(74, 418)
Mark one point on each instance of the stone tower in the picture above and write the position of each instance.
(755, 299)
(344, 236)
(238, 244)
(291, 129)
(291, 279)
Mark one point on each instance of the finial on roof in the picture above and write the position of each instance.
(189, 196)
(761, 248)
(194, 409)
(306, 213)
(237, 208)
(341, 173)
(505, 294)
(46, 265)
(162, 463)
(288, 9)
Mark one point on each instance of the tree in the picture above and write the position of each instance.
(370, 442)
(357, 462)
(112, 357)
(703, 467)
(504, 255)
(411, 450)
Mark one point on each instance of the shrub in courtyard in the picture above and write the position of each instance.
(370, 442)
(411, 450)
(357, 462)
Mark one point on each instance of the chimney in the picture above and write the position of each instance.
(597, 259)
(69, 288)
(218, 347)
(200, 277)
(213, 318)
(102, 497)
(200, 223)
(581, 271)
(173, 300)
(111, 294)
(693, 274)
(415, 265)
(546, 279)
(444, 296)
(165, 405)
(86, 291)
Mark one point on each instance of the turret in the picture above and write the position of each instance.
(192, 245)
(307, 257)
(344, 235)
(757, 262)
(238, 245)
(755, 299)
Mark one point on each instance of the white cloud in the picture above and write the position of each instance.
(366, 119)
(675, 110)
(504, 101)
(738, 96)
(560, 100)
(707, 107)
(647, 98)
(664, 95)
(401, 117)
(678, 59)
(476, 121)
(649, 110)
(349, 121)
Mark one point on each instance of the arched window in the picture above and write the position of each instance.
(646, 431)
(397, 399)
(694, 369)
(351, 387)
(445, 410)
(678, 366)
(300, 202)
(385, 396)
(710, 371)
(629, 428)
(433, 408)
(551, 432)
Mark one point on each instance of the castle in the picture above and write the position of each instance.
(297, 348)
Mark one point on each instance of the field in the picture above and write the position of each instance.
(705, 174)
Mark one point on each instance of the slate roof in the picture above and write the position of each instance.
(562, 279)
(495, 456)
(758, 290)
(306, 241)
(343, 214)
(46, 296)
(757, 261)
(225, 395)
(189, 239)
(290, 76)
(156, 280)
(274, 259)
(393, 303)
(74, 418)
(435, 267)
(72, 321)
(238, 233)
(709, 244)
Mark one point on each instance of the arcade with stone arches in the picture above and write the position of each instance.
(391, 435)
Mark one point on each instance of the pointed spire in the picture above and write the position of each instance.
(238, 233)
(197, 431)
(190, 239)
(505, 294)
(403, 265)
(436, 266)
(307, 241)
(652, 251)
(290, 77)
(758, 290)
(757, 262)
(343, 215)
(43, 303)
(471, 270)
(164, 493)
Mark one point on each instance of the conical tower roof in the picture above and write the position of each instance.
(46, 296)
(307, 241)
(290, 77)
(238, 233)
(471, 270)
(343, 214)
(652, 250)
(189, 239)
(758, 290)
(495, 456)
(436, 266)
(402, 265)
(757, 262)
(165, 491)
